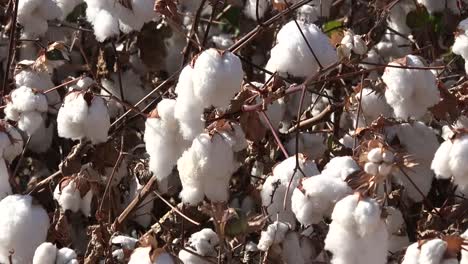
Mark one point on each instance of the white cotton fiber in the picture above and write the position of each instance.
(437, 6)
(357, 233)
(352, 43)
(291, 54)
(33, 16)
(11, 142)
(274, 234)
(46, 253)
(460, 46)
(372, 106)
(23, 225)
(69, 198)
(203, 243)
(410, 92)
(217, 77)
(432, 251)
(340, 167)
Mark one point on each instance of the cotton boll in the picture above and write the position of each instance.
(371, 168)
(105, 25)
(68, 197)
(410, 92)
(274, 234)
(29, 122)
(250, 9)
(203, 243)
(235, 137)
(317, 198)
(412, 254)
(459, 159)
(460, 46)
(432, 251)
(65, 256)
(311, 145)
(141, 255)
(46, 253)
(98, 121)
(217, 77)
(434, 6)
(24, 227)
(372, 106)
(341, 167)
(352, 42)
(291, 54)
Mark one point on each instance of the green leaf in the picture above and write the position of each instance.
(331, 26)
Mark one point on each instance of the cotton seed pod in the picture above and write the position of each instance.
(375, 155)
(371, 168)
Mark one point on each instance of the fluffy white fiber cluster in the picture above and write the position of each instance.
(164, 143)
(357, 233)
(142, 255)
(340, 167)
(291, 54)
(203, 243)
(47, 253)
(372, 106)
(109, 17)
(451, 160)
(83, 115)
(352, 43)
(11, 145)
(27, 107)
(206, 167)
(69, 198)
(410, 92)
(379, 162)
(434, 6)
(430, 252)
(460, 47)
(214, 79)
(274, 234)
(33, 16)
(276, 187)
(23, 227)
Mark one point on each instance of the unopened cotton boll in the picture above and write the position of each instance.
(24, 227)
(164, 144)
(83, 115)
(217, 77)
(410, 92)
(460, 46)
(311, 145)
(357, 227)
(316, 198)
(291, 54)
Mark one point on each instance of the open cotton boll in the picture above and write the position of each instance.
(188, 109)
(83, 115)
(340, 167)
(398, 239)
(46, 253)
(105, 25)
(316, 198)
(33, 16)
(69, 198)
(432, 251)
(372, 106)
(207, 165)
(274, 234)
(460, 46)
(410, 92)
(66, 256)
(412, 254)
(23, 225)
(250, 8)
(235, 137)
(291, 54)
(41, 81)
(357, 227)
(352, 43)
(420, 142)
(311, 145)
(163, 141)
(203, 243)
(217, 77)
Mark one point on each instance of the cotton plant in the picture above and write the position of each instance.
(436, 251)
(410, 92)
(372, 104)
(460, 47)
(83, 115)
(24, 226)
(397, 236)
(279, 187)
(144, 255)
(48, 253)
(74, 194)
(11, 146)
(207, 166)
(311, 145)
(436, 6)
(109, 18)
(203, 243)
(122, 244)
(142, 214)
(163, 141)
(357, 226)
(214, 79)
(450, 161)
